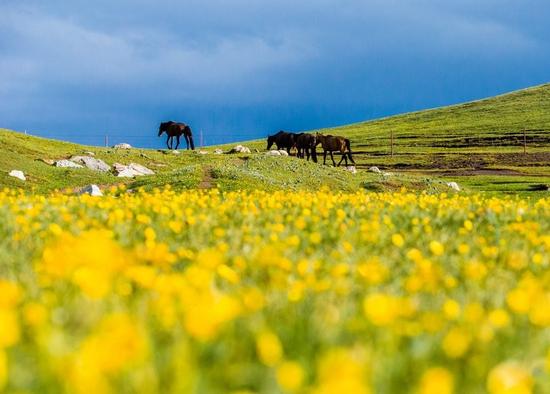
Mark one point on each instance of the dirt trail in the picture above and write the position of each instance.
(207, 181)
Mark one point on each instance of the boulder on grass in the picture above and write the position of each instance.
(18, 174)
(283, 152)
(123, 145)
(240, 149)
(375, 170)
(454, 186)
(92, 190)
(67, 164)
(92, 163)
(351, 169)
(131, 170)
(273, 153)
(218, 151)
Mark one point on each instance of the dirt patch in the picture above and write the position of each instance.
(482, 171)
(207, 181)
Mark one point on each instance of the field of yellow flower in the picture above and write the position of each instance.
(255, 292)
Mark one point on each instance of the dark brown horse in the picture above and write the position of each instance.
(306, 144)
(331, 143)
(283, 140)
(176, 130)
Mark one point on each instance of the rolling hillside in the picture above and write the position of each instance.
(478, 144)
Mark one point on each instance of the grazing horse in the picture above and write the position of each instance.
(176, 130)
(306, 143)
(331, 143)
(283, 140)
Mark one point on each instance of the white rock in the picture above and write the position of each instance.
(240, 149)
(202, 152)
(67, 164)
(92, 190)
(17, 174)
(283, 152)
(176, 152)
(92, 163)
(273, 153)
(375, 169)
(218, 151)
(123, 145)
(131, 170)
(88, 153)
(352, 169)
(387, 174)
(454, 186)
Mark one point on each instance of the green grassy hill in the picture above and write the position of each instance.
(478, 144)
(185, 170)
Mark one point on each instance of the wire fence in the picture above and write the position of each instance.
(106, 139)
(523, 139)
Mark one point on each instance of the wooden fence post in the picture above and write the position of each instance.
(106, 141)
(391, 139)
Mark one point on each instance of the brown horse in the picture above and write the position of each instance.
(176, 130)
(331, 143)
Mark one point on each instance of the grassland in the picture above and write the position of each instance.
(479, 144)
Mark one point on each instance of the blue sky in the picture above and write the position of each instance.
(78, 70)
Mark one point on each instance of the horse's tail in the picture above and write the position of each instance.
(348, 147)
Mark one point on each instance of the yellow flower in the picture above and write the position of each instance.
(398, 240)
(452, 309)
(381, 309)
(10, 294)
(3, 369)
(341, 371)
(436, 380)
(9, 328)
(35, 314)
(499, 318)
(509, 377)
(228, 274)
(290, 375)
(456, 342)
(269, 348)
(437, 248)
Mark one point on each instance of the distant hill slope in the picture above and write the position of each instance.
(497, 122)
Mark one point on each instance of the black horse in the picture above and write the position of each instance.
(282, 140)
(306, 145)
(176, 130)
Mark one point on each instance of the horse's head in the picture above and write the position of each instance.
(163, 127)
(318, 138)
(270, 141)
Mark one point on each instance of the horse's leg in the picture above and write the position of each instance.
(168, 139)
(340, 162)
(332, 157)
(324, 157)
(177, 141)
(186, 141)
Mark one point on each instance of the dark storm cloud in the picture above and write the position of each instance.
(247, 67)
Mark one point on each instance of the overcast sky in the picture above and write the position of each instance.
(237, 69)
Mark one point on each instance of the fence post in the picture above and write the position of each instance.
(106, 141)
(391, 139)
(524, 142)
